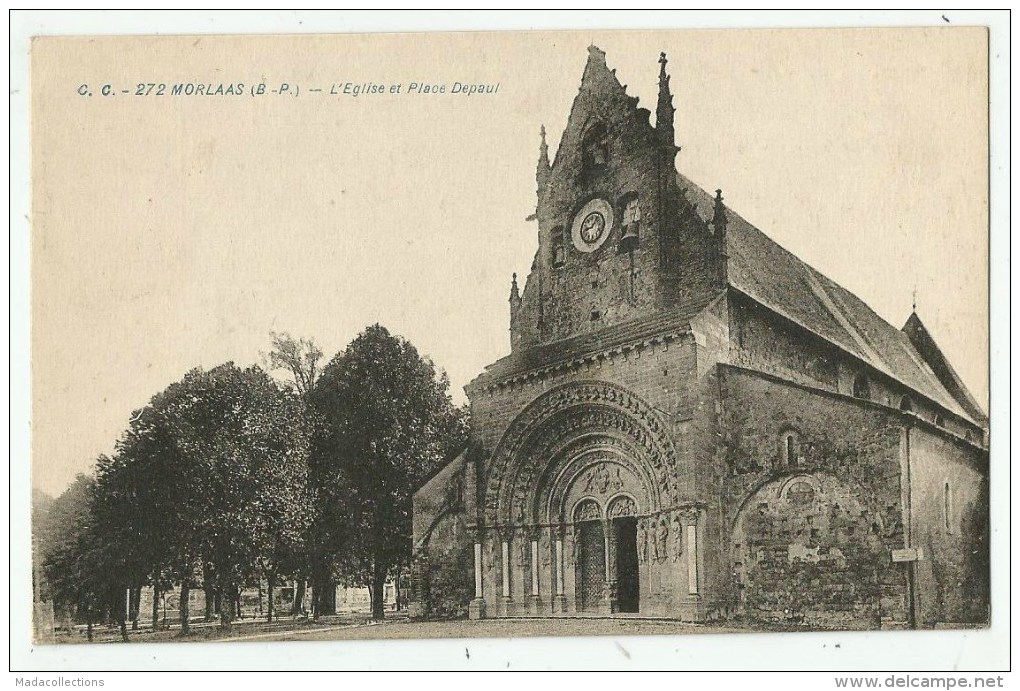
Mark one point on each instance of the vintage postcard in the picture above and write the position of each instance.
(509, 334)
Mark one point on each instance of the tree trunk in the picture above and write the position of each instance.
(210, 603)
(316, 609)
(378, 590)
(270, 583)
(136, 606)
(396, 590)
(225, 600)
(155, 608)
(185, 609)
(123, 611)
(88, 628)
(299, 599)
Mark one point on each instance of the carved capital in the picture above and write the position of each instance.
(689, 514)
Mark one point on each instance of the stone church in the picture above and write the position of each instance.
(693, 423)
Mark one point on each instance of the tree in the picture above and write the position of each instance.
(211, 477)
(41, 503)
(151, 492)
(387, 422)
(300, 358)
(74, 562)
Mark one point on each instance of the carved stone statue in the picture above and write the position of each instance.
(642, 541)
(662, 535)
(678, 542)
(523, 546)
(492, 557)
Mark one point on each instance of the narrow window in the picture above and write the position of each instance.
(947, 507)
(906, 404)
(789, 448)
(862, 388)
(595, 149)
(558, 250)
(939, 420)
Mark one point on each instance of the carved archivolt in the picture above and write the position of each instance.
(587, 510)
(621, 506)
(545, 435)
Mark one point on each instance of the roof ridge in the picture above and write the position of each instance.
(772, 275)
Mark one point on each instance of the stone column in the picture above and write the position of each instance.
(476, 608)
(535, 602)
(508, 602)
(608, 604)
(690, 520)
(558, 566)
(478, 569)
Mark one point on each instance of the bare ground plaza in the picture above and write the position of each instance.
(360, 626)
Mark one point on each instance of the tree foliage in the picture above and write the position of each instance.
(74, 564)
(210, 477)
(228, 478)
(387, 423)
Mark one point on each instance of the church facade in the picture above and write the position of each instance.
(692, 423)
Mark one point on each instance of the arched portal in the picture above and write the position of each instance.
(571, 477)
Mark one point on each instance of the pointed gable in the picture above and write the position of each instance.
(600, 98)
(923, 342)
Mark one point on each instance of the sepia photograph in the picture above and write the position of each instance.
(347, 337)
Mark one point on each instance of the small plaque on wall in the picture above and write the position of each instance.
(908, 554)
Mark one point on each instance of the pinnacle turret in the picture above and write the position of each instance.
(544, 168)
(664, 110)
(719, 219)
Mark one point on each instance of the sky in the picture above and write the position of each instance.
(173, 232)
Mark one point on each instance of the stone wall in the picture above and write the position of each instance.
(661, 374)
(813, 522)
(766, 342)
(441, 568)
(949, 522)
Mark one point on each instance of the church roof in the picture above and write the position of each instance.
(761, 269)
(590, 344)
